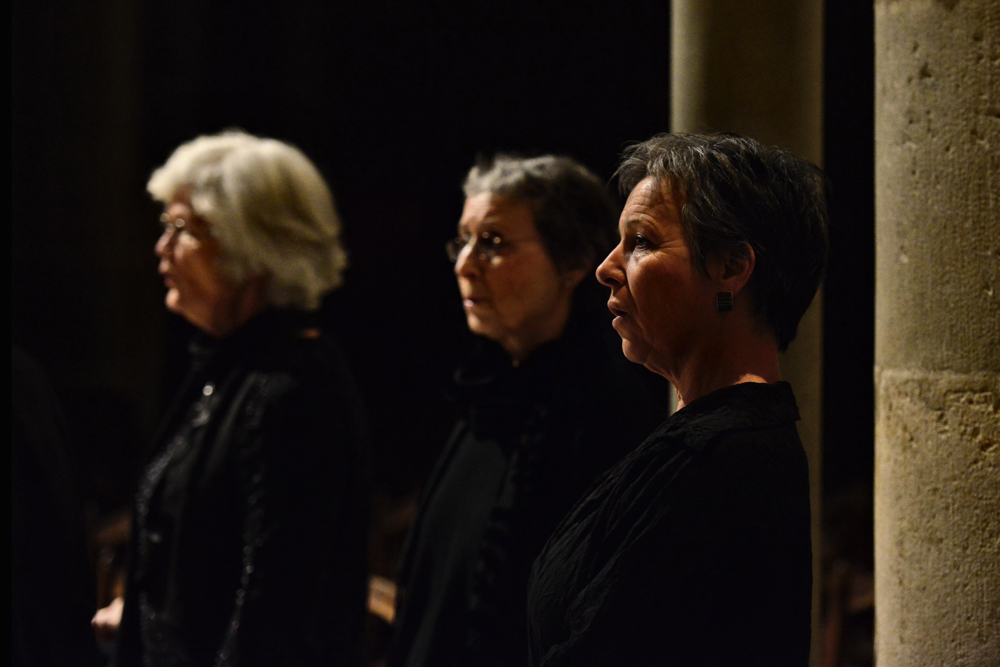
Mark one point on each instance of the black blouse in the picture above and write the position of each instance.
(250, 531)
(529, 442)
(694, 550)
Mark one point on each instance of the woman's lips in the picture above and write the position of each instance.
(163, 268)
(471, 302)
(619, 321)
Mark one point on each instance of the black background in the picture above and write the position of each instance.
(393, 101)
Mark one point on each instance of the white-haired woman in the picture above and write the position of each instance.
(249, 537)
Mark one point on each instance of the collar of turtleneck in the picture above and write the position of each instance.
(270, 326)
(497, 397)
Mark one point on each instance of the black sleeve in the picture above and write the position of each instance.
(711, 567)
(303, 473)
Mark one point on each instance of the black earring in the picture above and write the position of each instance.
(723, 302)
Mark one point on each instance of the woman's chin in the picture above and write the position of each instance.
(478, 326)
(173, 301)
(175, 304)
(637, 354)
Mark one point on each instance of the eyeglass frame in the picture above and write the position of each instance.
(487, 245)
(180, 224)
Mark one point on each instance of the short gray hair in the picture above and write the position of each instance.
(571, 207)
(733, 192)
(268, 207)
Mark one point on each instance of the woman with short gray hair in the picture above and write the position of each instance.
(531, 398)
(569, 204)
(695, 549)
(250, 529)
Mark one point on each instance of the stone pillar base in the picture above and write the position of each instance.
(937, 503)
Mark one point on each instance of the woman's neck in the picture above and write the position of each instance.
(749, 355)
(521, 344)
(245, 304)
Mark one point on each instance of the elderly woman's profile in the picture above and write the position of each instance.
(250, 526)
(531, 399)
(695, 549)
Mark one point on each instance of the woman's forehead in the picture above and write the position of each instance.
(488, 211)
(650, 200)
(178, 208)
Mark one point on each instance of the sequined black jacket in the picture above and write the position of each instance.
(250, 532)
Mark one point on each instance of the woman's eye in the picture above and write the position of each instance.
(489, 242)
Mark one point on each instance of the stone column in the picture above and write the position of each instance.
(937, 354)
(756, 68)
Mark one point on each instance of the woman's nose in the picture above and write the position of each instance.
(162, 247)
(610, 272)
(466, 264)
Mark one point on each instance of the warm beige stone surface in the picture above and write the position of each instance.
(937, 486)
(937, 520)
(938, 184)
(755, 68)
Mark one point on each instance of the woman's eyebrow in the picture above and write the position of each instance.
(631, 224)
(484, 226)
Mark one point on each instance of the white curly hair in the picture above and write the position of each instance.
(269, 208)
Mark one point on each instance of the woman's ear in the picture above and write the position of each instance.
(732, 272)
(573, 277)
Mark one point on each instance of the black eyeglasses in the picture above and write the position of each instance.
(486, 245)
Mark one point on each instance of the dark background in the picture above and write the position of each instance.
(393, 102)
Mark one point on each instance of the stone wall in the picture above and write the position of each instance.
(937, 486)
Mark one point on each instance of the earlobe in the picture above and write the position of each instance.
(734, 271)
(574, 277)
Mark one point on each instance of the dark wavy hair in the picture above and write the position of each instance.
(734, 193)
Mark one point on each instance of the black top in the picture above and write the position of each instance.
(529, 442)
(250, 533)
(694, 550)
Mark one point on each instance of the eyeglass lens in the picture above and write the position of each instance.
(485, 245)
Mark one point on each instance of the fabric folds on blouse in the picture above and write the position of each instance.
(528, 442)
(694, 550)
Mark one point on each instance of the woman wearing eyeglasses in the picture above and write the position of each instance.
(250, 528)
(533, 400)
